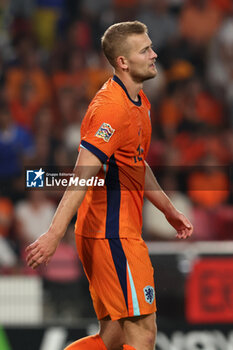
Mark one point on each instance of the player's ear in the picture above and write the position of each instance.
(122, 62)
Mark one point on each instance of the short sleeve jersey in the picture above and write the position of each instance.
(118, 131)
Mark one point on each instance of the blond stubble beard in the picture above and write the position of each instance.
(137, 78)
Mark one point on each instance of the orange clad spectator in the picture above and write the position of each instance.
(96, 78)
(17, 77)
(180, 70)
(191, 148)
(209, 110)
(64, 79)
(27, 71)
(172, 107)
(223, 5)
(6, 216)
(205, 108)
(8, 257)
(208, 189)
(73, 76)
(24, 109)
(199, 21)
(170, 115)
(97, 74)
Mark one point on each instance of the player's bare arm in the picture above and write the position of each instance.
(155, 194)
(43, 248)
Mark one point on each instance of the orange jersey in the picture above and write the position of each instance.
(118, 131)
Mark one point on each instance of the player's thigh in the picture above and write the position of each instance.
(140, 330)
(137, 331)
(112, 334)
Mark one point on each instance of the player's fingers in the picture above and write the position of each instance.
(37, 262)
(181, 234)
(32, 258)
(188, 232)
(184, 233)
(31, 254)
(31, 246)
(186, 223)
(36, 257)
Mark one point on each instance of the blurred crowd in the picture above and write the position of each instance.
(51, 66)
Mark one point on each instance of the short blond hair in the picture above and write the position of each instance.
(114, 39)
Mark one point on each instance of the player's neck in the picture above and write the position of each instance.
(132, 87)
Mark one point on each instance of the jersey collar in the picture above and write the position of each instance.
(118, 81)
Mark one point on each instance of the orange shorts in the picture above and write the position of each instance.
(120, 274)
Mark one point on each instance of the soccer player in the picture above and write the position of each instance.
(115, 138)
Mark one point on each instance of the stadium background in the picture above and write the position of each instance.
(51, 66)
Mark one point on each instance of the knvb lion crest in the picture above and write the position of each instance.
(149, 294)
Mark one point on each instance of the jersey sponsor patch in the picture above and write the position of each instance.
(149, 294)
(105, 132)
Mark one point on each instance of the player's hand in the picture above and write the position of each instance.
(181, 224)
(41, 251)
